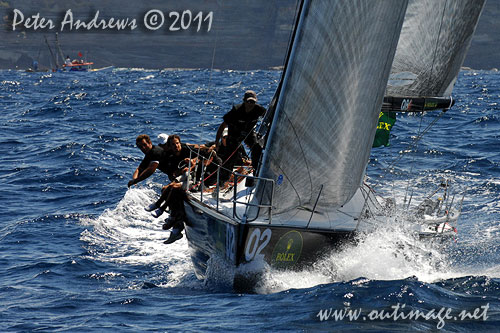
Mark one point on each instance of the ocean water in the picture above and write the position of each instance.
(79, 253)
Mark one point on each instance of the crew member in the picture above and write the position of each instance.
(241, 121)
(176, 165)
(153, 156)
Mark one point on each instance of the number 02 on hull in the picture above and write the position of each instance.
(254, 245)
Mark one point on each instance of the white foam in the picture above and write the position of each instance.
(129, 235)
(390, 252)
(148, 77)
(275, 281)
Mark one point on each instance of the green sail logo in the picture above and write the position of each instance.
(287, 251)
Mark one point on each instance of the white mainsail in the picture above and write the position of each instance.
(327, 111)
(434, 40)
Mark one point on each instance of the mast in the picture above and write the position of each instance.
(54, 59)
(59, 48)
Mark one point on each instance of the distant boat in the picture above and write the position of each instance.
(35, 66)
(422, 79)
(434, 41)
(76, 65)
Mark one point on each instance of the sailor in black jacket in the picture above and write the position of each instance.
(241, 121)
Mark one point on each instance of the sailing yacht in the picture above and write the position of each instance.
(308, 195)
(77, 65)
(422, 79)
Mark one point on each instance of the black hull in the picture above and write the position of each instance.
(210, 234)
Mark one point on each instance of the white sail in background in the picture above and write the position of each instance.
(327, 111)
(432, 46)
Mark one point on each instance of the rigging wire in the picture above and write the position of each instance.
(412, 163)
(396, 160)
(212, 65)
(410, 146)
(221, 166)
(292, 33)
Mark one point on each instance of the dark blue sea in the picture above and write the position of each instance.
(79, 253)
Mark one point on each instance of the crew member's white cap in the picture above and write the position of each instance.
(225, 132)
(163, 138)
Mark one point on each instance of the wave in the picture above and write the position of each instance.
(129, 235)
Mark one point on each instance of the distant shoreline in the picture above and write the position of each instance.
(276, 68)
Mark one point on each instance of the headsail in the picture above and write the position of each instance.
(431, 49)
(327, 111)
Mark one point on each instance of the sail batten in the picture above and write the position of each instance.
(326, 114)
